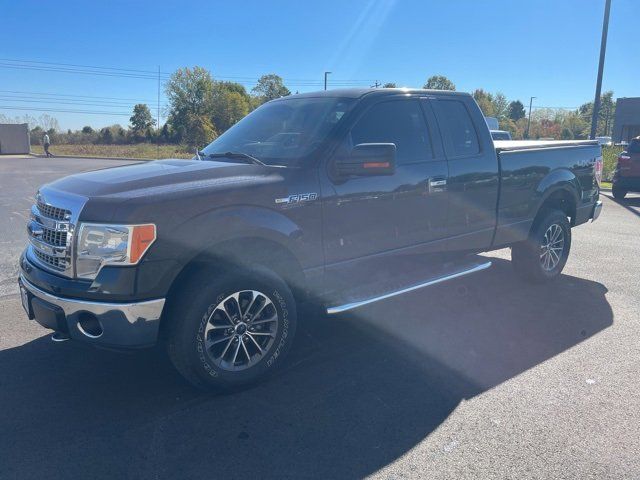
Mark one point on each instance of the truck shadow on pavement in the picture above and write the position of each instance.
(357, 392)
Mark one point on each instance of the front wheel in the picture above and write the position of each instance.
(544, 254)
(231, 330)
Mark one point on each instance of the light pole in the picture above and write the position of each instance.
(325, 79)
(529, 121)
(603, 48)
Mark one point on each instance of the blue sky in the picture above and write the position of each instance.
(545, 48)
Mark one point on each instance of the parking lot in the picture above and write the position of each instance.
(482, 377)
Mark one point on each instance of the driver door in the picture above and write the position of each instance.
(371, 223)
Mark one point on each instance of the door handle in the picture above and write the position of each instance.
(437, 184)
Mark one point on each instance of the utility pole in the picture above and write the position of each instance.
(158, 117)
(603, 48)
(376, 85)
(325, 79)
(529, 121)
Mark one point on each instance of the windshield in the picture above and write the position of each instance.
(634, 146)
(284, 131)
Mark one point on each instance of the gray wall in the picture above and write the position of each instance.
(626, 124)
(14, 138)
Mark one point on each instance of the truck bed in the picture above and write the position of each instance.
(508, 145)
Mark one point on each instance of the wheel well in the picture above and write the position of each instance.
(561, 200)
(242, 254)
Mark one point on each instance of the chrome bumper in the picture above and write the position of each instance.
(121, 324)
(597, 209)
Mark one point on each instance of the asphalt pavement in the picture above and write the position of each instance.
(482, 377)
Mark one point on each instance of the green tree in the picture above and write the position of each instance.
(141, 120)
(485, 102)
(389, 85)
(230, 107)
(516, 110)
(87, 129)
(199, 131)
(605, 115)
(190, 93)
(269, 87)
(439, 82)
(500, 107)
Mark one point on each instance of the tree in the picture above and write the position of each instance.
(516, 110)
(87, 129)
(199, 131)
(500, 107)
(439, 82)
(485, 102)
(190, 93)
(230, 107)
(605, 114)
(141, 120)
(269, 87)
(389, 85)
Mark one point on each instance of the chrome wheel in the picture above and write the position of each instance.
(552, 247)
(240, 330)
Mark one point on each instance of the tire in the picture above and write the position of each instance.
(536, 262)
(244, 352)
(618, 193)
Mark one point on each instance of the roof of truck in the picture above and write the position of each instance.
(360, 92)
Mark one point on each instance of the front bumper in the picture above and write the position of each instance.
(116, 325)
(597, 209)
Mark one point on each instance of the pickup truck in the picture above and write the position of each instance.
(336, 199)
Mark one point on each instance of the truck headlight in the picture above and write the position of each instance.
(100, 245)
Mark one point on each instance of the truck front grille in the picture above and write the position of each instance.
(53, 212)
(50, 236)
(53, 262)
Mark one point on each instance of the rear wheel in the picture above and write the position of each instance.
(544, 254)
(232, 330)
(618, 193)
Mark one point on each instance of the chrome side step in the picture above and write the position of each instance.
(444, 278)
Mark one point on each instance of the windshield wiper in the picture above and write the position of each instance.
(235, 155)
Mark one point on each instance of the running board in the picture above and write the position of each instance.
(444, 278)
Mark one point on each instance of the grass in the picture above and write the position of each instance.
(610, 158)
(138, 150)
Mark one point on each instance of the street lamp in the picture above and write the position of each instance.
(529, 122)
(325, 79)
(603, 48)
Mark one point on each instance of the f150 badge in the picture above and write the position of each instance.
(297, 198)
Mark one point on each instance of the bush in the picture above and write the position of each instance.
(610, 158)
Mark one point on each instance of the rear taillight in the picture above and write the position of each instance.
(624, 163)
(598, 169)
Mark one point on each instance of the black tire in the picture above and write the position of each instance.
(188, 320)
(618, 193)
(526, 256)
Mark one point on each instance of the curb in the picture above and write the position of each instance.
(42, 155)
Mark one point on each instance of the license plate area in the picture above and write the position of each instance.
(25, 296)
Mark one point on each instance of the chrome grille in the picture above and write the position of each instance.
(53, 212)
(54, 237)
(54, 262)
(50, 236)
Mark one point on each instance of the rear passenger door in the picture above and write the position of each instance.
(473, 173)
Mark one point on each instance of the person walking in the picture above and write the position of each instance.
(46, 142)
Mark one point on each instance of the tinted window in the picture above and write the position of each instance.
(283, 131)
(458, 128)
(634, 146)
(500, 135)
(400, 122)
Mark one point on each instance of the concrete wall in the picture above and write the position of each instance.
(626, 124)
(14, 138)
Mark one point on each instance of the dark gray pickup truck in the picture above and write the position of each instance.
(340, 199)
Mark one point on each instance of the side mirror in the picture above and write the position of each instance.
(368, 159)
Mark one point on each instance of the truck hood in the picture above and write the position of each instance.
(163, 177)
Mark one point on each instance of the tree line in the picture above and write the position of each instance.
(200, 108)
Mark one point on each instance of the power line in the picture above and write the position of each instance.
(92, 112)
